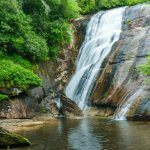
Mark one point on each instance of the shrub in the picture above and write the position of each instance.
(107, 4)
(18, 60)
(58, 34)
(89, 6)
(14, 75)
(145, 69)
(3, 97)
(70, 9)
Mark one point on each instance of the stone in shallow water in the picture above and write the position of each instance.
(70, 108)
(8, 139)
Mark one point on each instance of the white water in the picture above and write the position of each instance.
(58, 102)
(103, 31)
(124, 108)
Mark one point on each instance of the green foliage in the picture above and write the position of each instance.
(43, 109)
(89, 6)
(111, 4)
(21, 61)
(3, 97)
(145, 68)
(70, 9)
(107, 4)
(60, 32)
(51, 21)
(17, 35)
(14, 75)
(36, 48)
(134, 2)
(18, 60)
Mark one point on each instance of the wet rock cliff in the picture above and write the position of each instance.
(119, 80)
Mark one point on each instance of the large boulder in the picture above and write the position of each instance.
(70, 108)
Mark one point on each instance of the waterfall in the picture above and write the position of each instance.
(103, 31)
(124, 108)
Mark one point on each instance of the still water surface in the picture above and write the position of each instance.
(90, 134)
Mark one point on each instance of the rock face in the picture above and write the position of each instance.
(17, 108)
(119, 78)
(8, 139)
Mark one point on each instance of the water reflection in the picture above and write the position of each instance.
(83, 138)
(90, 134)
(135, 136)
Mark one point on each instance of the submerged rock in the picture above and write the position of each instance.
(8, 139)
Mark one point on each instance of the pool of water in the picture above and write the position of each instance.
(89, 134)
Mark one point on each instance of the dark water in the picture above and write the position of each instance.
(90, 134)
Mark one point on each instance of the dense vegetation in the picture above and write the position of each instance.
(88, 6)
(36, 30)
(14, 75)
(3, 97)
(17, 35)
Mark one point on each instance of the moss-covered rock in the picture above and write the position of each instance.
(8, 139)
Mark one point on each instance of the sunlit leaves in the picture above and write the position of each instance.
(14, 75)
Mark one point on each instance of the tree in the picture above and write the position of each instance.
(70, 9)
(87, 6)
(17, 35)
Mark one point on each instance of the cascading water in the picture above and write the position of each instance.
(103, 31)
(123, 109)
